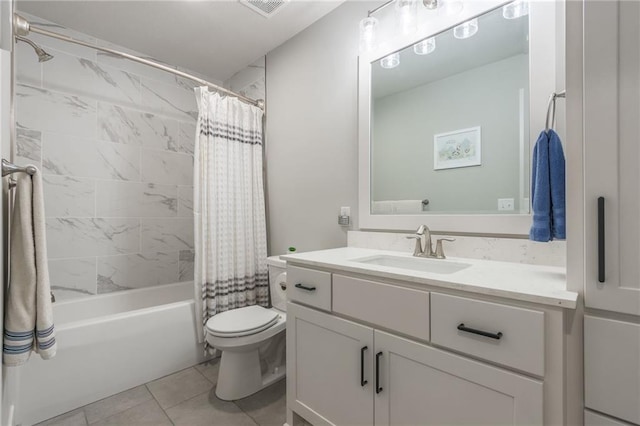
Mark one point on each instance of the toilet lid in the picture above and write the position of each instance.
(242, 321)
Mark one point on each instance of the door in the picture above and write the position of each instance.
(612, 367)
(421, 385)
(329, 368)
(612, 154)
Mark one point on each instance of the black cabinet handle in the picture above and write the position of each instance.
(378, 387)
(601, 239)
(362, 380)
(496, 336)
(304, 287)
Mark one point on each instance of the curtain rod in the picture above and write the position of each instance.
(22, 27)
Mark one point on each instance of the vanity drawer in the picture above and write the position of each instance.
(402, 310)
(514, 336)
(309, 287)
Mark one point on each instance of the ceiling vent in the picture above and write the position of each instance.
(266, 8)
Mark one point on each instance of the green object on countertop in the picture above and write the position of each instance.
(291, 250)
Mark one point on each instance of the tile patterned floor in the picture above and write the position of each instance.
(185, 398)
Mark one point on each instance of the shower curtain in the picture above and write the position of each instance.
(229, 207)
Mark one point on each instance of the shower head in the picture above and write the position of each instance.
(43, 56)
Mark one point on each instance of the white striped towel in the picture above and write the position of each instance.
(29, 313)
(396, 207)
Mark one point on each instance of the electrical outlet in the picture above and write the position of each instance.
(505, 203)
(345, 211)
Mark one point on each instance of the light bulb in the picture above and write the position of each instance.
(425, 46)
(466, 29)
(407, 15)
(450, 7)
(368, 41)
(430, 4)
(390, 61)
(517, 9)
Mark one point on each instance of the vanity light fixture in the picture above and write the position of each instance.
(407, 15)
(368, 27)
(425, 47)
(466, 29)
(390, 61)
(515, 10)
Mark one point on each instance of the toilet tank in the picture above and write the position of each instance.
(277, 275)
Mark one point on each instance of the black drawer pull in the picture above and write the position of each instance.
(378, 387)
(601, 239)
(362, 380)
(304, 287)
(496, 336)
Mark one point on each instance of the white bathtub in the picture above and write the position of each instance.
(106, 344)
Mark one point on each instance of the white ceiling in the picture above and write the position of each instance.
(215, 38)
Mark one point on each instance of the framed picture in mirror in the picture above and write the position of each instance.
(460, 148)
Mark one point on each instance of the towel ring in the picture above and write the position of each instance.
(551, 110)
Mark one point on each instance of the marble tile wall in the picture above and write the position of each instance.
(487, 248)
(250, 81)
(114, 140)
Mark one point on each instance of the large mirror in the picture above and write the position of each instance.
(450, 122)
(448, 117)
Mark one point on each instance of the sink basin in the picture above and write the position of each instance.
(436, 266)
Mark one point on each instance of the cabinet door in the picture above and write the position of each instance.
(595, 419)
(421, 385)
(612, 152)
(324, 380)
(612, 367)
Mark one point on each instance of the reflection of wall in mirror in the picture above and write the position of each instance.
(404, 125)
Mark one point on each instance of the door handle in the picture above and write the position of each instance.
(378, 387)
(496, 336)
(362, 379)
(601, 271)
(304, 287)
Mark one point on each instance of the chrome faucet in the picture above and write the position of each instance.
(426, 250)
(422, 232)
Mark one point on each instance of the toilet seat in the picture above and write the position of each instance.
(242, 322)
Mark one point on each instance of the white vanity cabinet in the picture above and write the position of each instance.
(369, 359)
(343, 373)
(422, 385)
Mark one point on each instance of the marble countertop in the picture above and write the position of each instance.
(530, 283)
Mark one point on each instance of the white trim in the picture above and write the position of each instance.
(542, 60)
(523, 201)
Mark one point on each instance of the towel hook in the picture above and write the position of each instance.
(551, 109)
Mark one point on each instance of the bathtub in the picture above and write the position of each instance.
(106, 344)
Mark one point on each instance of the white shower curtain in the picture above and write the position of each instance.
(229, 208)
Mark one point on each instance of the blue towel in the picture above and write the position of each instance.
(541, 191)
(548, 189)
(557, 182)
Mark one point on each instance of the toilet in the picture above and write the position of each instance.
(252, 341)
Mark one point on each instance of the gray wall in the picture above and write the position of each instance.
(311, 145)
(404, 125)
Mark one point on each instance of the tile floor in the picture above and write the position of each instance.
(183, 398)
